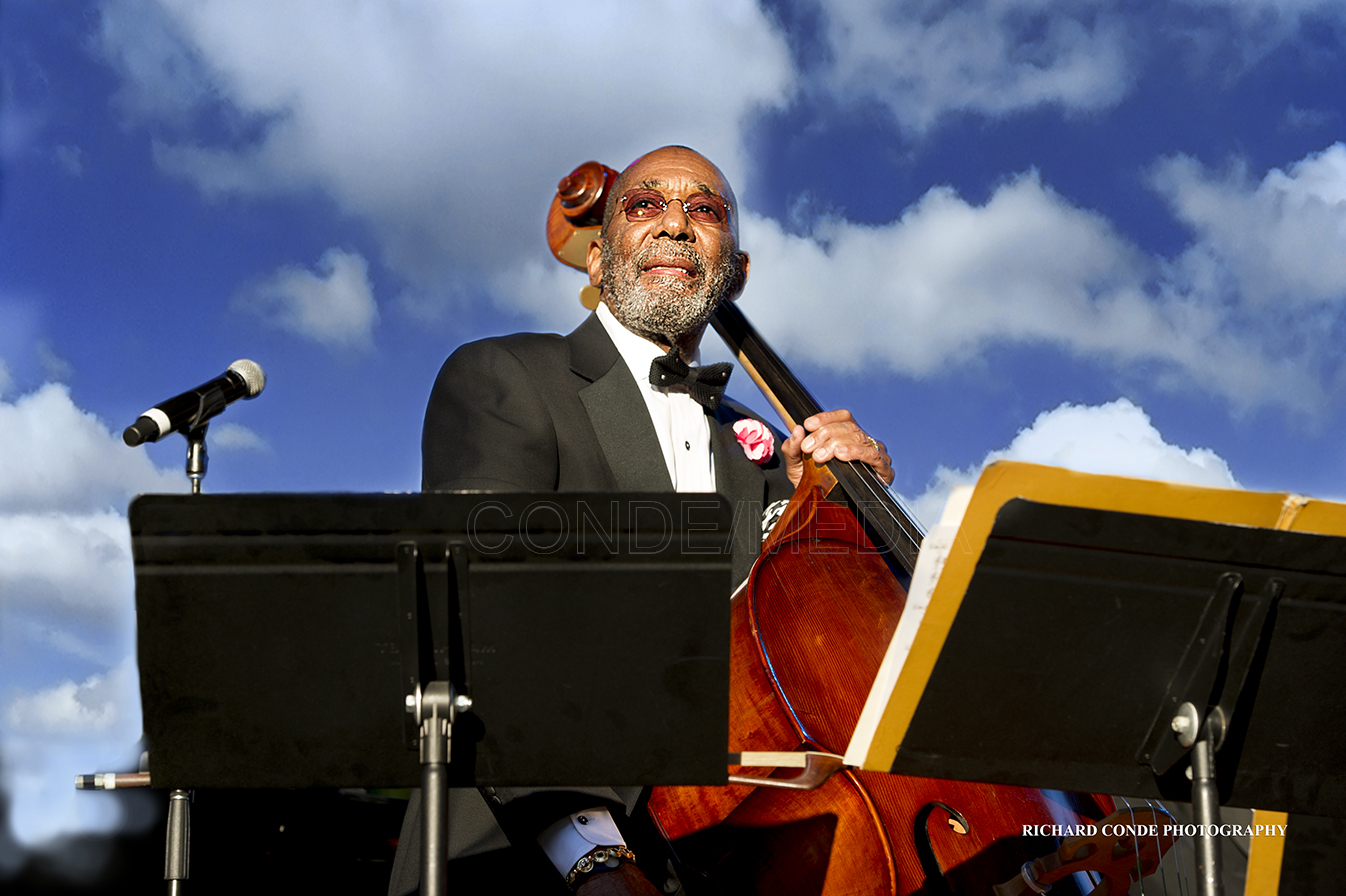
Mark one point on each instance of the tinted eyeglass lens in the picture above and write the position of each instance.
(644, 204)
(707, 208)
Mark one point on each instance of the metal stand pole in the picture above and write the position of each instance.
(1234, 628)
(178, 845)
(178, 842)
(435, 707)
(435, 738)
(1206, 810)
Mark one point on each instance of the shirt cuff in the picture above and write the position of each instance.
(772, 514)
(570, 839)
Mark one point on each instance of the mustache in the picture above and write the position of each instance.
(667, 252)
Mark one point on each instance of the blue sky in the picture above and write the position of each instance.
(1109, 235)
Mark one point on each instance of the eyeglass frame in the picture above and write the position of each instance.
(621, 204)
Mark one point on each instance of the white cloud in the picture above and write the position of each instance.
(55, 630)
(164, 77)
(995, 58)
(548, 291)
(334, 307)
(1230, 37)
(59, 458)
(441, 125)
(939, 282)
(948, 279)
(55, 733)
(66, 600)
(1282, 239)
(991, 58)
(1114, 439)
(236, 437)
(76, 562)
(51, 732)
(97, 704)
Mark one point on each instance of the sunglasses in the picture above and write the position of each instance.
(646, 204)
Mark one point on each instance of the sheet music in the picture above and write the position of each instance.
(934, 551)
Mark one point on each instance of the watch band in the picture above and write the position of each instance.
(604, 858)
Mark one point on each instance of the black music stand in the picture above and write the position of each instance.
(299, 640)
(1101, 647)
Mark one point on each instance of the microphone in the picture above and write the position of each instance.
(185, 412)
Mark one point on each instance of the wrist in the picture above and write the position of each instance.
(597, 861)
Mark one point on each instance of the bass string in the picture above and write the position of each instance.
(885, 499)
(1181, 873)
(1176, 851)
(886, 502)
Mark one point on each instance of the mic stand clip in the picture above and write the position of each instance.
(196, 455)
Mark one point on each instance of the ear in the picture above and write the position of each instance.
(594, 263)
(741, 279)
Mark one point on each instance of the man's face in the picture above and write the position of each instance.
(663, 276)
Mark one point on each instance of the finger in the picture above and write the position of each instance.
(792, 446)
(822, 418)
(835, 433)
(873, 454)
(793, 453)
(861, 447)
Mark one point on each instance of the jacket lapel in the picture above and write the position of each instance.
(741, 481)
(617, 411)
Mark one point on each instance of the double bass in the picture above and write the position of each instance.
(810, 628)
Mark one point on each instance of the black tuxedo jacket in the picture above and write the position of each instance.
(534, 412)
(541, 412)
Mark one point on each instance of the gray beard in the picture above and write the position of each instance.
(671, 310)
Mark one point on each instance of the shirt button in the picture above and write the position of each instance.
(687, 445)
(582, 819)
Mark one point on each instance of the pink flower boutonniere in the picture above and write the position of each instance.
(755, 439)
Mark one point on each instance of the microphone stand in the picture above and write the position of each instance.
(178, 840)
(177, 843)
(196, 455)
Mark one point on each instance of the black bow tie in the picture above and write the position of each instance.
(706, 384)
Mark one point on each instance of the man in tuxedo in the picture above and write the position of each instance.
(591, 411)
